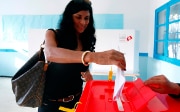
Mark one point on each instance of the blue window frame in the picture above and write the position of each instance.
(167, 32)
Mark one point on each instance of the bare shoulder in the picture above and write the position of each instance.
(50, 38)
(50, 33)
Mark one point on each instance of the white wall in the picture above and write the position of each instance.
(32, 6)
(157, 67)
(135, 15)
(155, 4)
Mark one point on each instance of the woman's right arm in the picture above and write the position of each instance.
(59, 55)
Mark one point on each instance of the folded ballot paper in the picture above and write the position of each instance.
(119, 84)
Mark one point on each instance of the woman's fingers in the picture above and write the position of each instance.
(86, 76)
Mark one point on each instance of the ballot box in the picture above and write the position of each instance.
(136, 97)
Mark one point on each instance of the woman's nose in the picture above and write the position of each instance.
(83, 22)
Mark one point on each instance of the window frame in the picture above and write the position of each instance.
(165, 39)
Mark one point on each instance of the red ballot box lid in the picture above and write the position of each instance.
(136, 97)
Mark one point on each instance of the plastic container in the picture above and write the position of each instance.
(97, 97)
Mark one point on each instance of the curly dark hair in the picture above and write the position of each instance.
(66, 36)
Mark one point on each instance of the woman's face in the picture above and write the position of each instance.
(81, 21)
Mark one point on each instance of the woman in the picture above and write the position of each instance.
(70, 50)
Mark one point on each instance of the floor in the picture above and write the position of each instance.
(7, 98)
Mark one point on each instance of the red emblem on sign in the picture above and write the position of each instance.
(129, 38)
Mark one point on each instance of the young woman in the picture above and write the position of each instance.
(70, 49)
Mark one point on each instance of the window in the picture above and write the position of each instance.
(167, 33)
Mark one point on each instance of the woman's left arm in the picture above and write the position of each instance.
(87, 76)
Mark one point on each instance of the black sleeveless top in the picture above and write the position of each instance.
(63, 79)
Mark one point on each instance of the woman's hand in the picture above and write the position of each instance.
(86, 76)
(109, 57)
(162, 85)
